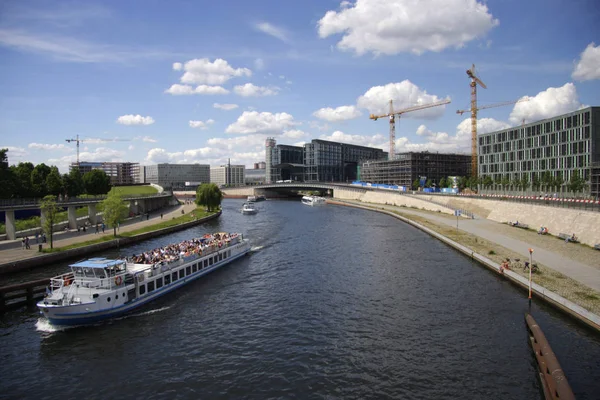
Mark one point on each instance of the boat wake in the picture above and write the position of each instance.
(43, 325)
(256, 248)
(149, 312)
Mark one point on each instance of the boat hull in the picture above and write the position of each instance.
(71, 316)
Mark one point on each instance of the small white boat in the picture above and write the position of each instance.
(249, 208)
(98, 288)
(313, 200)
(251, 198)
(256, 198)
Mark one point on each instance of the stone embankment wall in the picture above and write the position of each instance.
(391, 198)
(584, 224)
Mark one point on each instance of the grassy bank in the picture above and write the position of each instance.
(133, 190)
(198, 213)
(552, 280)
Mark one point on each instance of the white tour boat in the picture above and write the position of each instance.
(99, 288)
(249, 208)
(313, 200)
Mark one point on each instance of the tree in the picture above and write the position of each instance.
(559, 180)
(461, 183)
(54, 183)
(450, 182)
(96, 182)
(524, 181)
(115, 210)
(577, 183)
(49, 211)
(535, 181)
(487, 181)
(443, 182)
(22, 173)
(38, 179)
(505, 182)
(209, 195)
(416, 183)
(7, 177)
(73, 182)
(428, 183)
(547, 180)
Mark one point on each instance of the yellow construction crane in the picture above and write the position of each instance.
(392, 116)
(77, 140)
(474, 81)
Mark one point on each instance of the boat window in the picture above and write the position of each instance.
(150, 286)
(88, 272)
(210, 261)
(167, 279)
(108, 299)
(159, 282)
(188, 270)
(174, 276)
(205, 263)
(142, 289)
(220, 256)
(78, 271)
(194, 267)
(181, 275)
(228, 253)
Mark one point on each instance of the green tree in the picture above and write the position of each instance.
(96, 182)
(577, 183)
(54, 182)
(22, 173)
(115, 210)
(487, 181)
(547, 180)
(209, 195)
(49, 211)
(428, 183)
(450, 182)
(7, 177)
(535, 181)
(443, 182)
(416, 183)
(461, 183)
(524, 182)
(38, 179)
(73, 183)
(559, 180)
(505, 182)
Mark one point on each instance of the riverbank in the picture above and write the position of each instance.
(555, 288)
(81, 246)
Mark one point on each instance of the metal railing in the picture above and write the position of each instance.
(15, 203)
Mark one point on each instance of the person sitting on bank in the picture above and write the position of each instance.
(573, 238)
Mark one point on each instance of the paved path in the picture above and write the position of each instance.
(487, 229)
(10, 250)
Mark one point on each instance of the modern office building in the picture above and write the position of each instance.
(255, 176)
(177, 176)
(228, 175)
(120, 173)
(317, 161)
(561, 145)
(411, 166)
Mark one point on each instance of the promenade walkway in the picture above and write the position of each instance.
(577, 262)
(11, 250)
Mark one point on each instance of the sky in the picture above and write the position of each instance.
(193, 81)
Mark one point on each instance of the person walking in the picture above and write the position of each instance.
(103, 226)
(37, 238)
(96, 229)
(44, 237)
(27, 247)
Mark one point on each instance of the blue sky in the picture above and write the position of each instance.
(195, 81)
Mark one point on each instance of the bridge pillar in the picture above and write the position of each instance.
(72, 217)
(11, 231)
(92, 214)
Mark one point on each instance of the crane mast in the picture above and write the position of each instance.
(474, 81)
(77, 141)
(392, 117)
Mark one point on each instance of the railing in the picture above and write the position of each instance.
(553, 379)
(22, 294)
(74, 200)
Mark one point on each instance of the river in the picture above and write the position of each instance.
(333, 302)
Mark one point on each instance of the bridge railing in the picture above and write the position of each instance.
(73, 200)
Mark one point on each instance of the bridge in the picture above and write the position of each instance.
(138, 204)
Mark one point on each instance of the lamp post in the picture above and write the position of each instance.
(530, 268)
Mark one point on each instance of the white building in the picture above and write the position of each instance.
(227, 175)
(176, 175)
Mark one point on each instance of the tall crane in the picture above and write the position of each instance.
(474, 81)
(77, 140)
(392, 116)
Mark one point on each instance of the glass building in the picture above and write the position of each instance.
(560, 145)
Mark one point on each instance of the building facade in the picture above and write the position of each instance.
(411, 166)
(120, 173)
(177, 176)
(269, 146)
(255, 176)
(560, 145)
(228, 175)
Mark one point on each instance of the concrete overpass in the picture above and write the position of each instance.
(138, 204)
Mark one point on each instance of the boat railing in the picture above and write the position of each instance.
(59, 281)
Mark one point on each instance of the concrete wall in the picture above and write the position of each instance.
(389, 198)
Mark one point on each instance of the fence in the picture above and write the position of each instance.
(22, 294)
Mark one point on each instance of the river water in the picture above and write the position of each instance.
(333, 302)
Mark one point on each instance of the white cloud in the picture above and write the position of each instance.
(131, 147)
(588, 66)
(131, 119)
(264, 122)
(272, 30)
(244, 150)
(226, 107)
(14, 152)
(342, 113)
(202, 70)
(546, 104)
(201, 124)
(259, 64)
(178, 90)
(177, 66)
(319, 126)
(146, 139)
(255, 142)
(404, 94)
(377, 140)
(249, 89)
(395, 26)
(294, 134)
(53, 147)
(99, 154)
